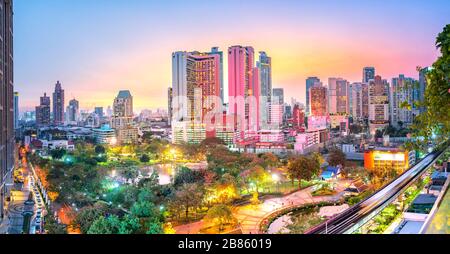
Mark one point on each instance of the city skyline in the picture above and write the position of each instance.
(297, 50)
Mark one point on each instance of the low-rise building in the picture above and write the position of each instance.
(386, 157)
(104, 135)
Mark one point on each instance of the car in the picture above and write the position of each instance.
(38, 228)
(38, 220)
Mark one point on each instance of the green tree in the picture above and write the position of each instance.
(99, 149)
(256, 176)
(336, 157)
(87, 215)
(57, 154)
(220, 215)
(301, 168)
(188, 196)
(103, 225)
(435, 121)
(144, 158)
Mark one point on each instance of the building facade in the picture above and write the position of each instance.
(16, 110)
(318, 100)
(243, 92)
(265, 77)
(58, 104)
(43, 112)
(73, 111)
(195, 96)
(310, 82)
(378, 104)
(6, 100)
(368, 74)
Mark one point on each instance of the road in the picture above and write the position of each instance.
(250, 216)
(351, 217)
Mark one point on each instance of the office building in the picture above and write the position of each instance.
(278, 96)
(58, 104)
(6, 101)
(195, 94)
(338, 96)
(298, 116)
(368, 74)
(318, 99)
(16, 110)
(169, 106)
(265, 77)
(73, 111)
(378, 104)
(99, 112)
(43, 112)
(401, 101)
(122, 119)
(310, 82)
(243, 91)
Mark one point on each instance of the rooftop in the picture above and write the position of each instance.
(124, 94)
(424, 199)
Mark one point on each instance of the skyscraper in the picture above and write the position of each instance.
(420, 91)
(298, 116)
(58, 104)
(378, 104)
(196, 88)
(169, 105)
(16, 110)
(99, 111)
(368, 74)
(401, 94)
(6, 99)
(365, 100)
(73, 111)
(243, 91)
(338, 90)
(265, 71)
(310, 83)
(216, 51)
(122, 110)
(122, 119)
(319, 100)
(357, 101)
(43, 112)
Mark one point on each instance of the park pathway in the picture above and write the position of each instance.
(250, 216)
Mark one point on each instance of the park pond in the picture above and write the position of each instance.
(165, 171)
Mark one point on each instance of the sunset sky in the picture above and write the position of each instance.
(96, 48)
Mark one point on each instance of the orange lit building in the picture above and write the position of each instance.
(380, 158)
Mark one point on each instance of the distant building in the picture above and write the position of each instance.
(16, 110)
(43, 111)
(243, 92)
(310, 82)
(73, 111)
(378, 104)
(122, 119)
(338, 90)
(265, 72)
(104, 135)
(278, 96)
(99, 112)
(318, 100)
(298, 116)
(402, 91)
(368, 74)
(169, 106)
(58, 104)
